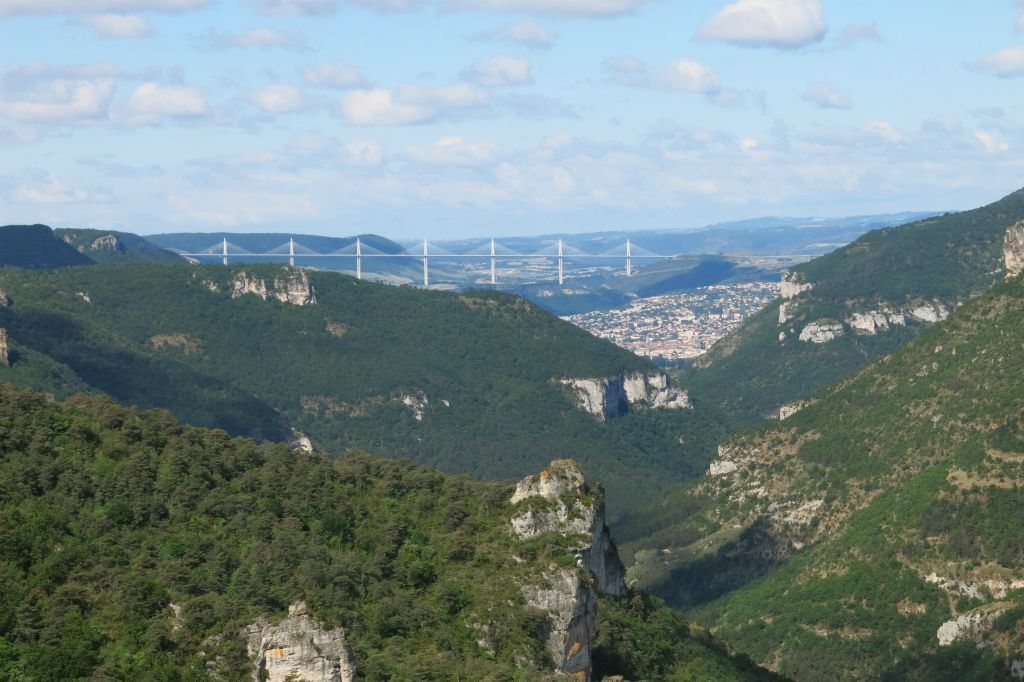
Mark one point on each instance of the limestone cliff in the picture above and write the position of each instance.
(4, 359)
(5, 300)
(1013, 249)
(822, 331)
(611, 397)
(291, 286)
(559, 501)
(793, 284)
(298, 648)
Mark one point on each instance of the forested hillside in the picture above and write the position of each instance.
(874, 534)
(870, 296)
(139, 549)
(110, 246)
(36, 246)
(467, 383)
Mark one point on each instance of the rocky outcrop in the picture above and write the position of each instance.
(418, 403)
(559, 501)
(5, 300)
(615, 396)
(298, 648)
(300, 442)
(874, 321)
(1013, 249)
(822, 331)
(929, 312)
(787, 311)
(793, 284)
(291, 286)
(5, 360)
(789, 409)
(107, 242)
(972, 625)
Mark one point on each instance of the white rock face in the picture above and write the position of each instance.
(298, 648)
(5, 300)
(1017, 669)
(875, 321)
(576, 513)
(292, 286)
(721, 467)
(4, 359)
(1013, 249)
(790, 409)
(301, 442)
(417, 403)
(107, 242)
(929, 312)
(792, 285)
(786, 312)
(613, 397)
(822, 331)
(967, 626)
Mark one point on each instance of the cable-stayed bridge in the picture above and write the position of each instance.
(556, 253)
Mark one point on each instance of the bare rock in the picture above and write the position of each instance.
(793, 284)
(5, 300)
(929, 312)
(5, 360)
(789, 409)
(611, 397)
(1013, 249)
(873, 322)
(298, 648)
(293, 286)
(107, 242)
(567, 506)
(822, 331)
(245, 284)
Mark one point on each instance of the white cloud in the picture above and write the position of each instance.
(826, 96)
(682, 75)
(569, 8)
(117, 25)
(41, 93)
(454, 151)
(279, 98)
(25, 7)
(990, 143)
(53, 191)
(499, 71)
(365, 152)
(334, 75)
(526, 33)
(783, 24)
(1005, 63)
(412, 104)
(260, 37)
(379, 107)
(151, 103)
(887, 132)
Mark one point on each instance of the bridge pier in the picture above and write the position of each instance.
(224, 251)
(494, 268)
(629, 260)
(291, 252)
(426, 268)
(359, 258)
(561, 278)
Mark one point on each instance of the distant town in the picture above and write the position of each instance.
(679, 326)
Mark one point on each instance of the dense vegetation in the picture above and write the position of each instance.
(109, 246)
(109, 516)
(36, 246)
(157, 336)
(813, 554)
(947, 258)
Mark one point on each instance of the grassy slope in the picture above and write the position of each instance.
(109, 515)
(948, 258)
(491, 356)
(917, 463)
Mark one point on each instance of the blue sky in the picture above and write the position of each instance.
(451, 118)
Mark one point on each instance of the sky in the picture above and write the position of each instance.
(476, 118)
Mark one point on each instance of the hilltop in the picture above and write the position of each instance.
(36, 246)
(875, 532)
(137, 548)
(482, 383)
(842, 310)
(111, 246)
